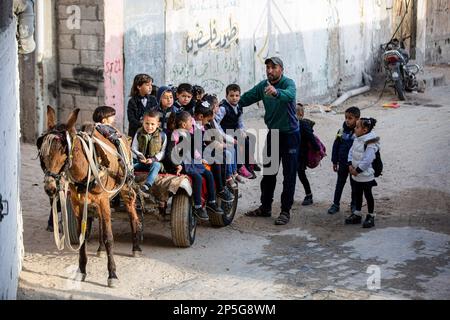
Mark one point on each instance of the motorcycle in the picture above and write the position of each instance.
(398, 72)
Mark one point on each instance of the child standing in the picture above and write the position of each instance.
(149, 147)
(140, 101)
(184, 99)
(307, 140)
(360, 158)
(189, 165)
(165, 105)
(341, 147)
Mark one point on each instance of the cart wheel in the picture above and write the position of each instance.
(183, 222)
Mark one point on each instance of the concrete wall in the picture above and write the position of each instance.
(46, 57)
(326, 44)
(81, 45)
(144, 42)
(114, 58)
(438, 32)
(11, 245)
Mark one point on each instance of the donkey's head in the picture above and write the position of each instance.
(53, 146)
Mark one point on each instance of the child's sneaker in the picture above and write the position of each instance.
(201, 213)
(256, 167)
(145, 188)
(308, 200)
(369, 222)
(231, 183)
(333, 209)
(354, 218)
(245, 173)
(213, 207)
(225, 195)
(238, 179)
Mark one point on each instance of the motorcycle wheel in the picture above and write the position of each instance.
(399, 89)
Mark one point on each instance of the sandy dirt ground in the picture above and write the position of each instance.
(315, 256)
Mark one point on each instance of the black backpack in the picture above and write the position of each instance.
(377, 164)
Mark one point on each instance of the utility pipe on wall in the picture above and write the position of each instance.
(24, 9)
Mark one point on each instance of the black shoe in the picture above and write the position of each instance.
(256, 167)
(369, 222)
(225, 195)
(333, 209)
(283, 218)
(259, 213)
(353, 219)
(201, 213)
(214, 208)
(308, 200)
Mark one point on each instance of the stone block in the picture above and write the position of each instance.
(91, 58)
(86, 42)
(86, 102)
(70, 56)
(66, 41)
(92, 27)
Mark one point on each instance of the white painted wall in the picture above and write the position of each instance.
(325, 44)
(11, 245)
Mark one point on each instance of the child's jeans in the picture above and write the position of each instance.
(153, 170)
(197, 187)
(230, 162)
(342, 174)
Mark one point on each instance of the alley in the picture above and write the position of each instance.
(315, 256)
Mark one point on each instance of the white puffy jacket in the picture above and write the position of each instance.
(362, 159)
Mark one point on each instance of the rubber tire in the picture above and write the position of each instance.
(183, 222)
(73, 224)
(399, 89)
(229, 211)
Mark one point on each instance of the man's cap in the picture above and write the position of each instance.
(275, 61)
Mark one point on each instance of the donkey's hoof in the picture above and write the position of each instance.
(101, 254)
(113, 282)
(137, 254)
(80, 276)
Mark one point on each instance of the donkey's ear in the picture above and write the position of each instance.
(72, 120)
(51, 118)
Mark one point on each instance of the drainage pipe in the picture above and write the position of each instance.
(351, 93)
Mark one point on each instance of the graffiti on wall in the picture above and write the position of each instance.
(203, 5)
(207, 72)
(113, 67)
(211, 37)
(84, 79)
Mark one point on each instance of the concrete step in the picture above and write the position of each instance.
(432, 76)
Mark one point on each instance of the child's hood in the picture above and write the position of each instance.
(161, 91)
(370, 138)
(308, 122)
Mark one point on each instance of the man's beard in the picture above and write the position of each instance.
(272, 78)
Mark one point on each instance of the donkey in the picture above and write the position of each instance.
(56, 158)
